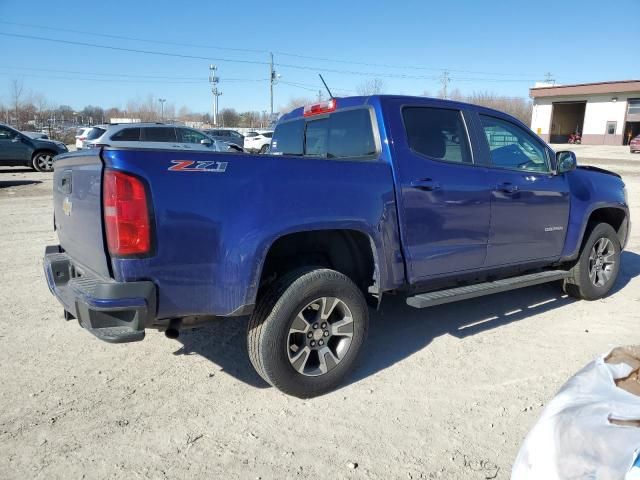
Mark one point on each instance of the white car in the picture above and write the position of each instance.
(81, 135)
(257, 141)
(155, 135)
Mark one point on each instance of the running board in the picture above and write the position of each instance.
(440, 297)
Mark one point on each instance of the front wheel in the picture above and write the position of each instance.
(43, 161)
(596, 270)
(306, 331)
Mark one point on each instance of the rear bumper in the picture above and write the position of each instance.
(115, 312)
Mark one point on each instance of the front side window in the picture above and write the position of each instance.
(127, 135)
(512, 147)
(190, 136)
(6, 134)
(159, 134)
(438, 133)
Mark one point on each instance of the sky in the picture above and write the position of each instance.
(500, 46)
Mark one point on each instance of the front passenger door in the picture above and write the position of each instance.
(12, 148)
(191, 139)
(529, 202)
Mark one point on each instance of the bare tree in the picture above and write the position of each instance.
(296, 102)
(374, 86)
(230, 117)
(16, 90)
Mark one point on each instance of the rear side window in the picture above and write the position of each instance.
(438, 133)
(127, 135)
(267, 134)
(95, 132)
(159, 134)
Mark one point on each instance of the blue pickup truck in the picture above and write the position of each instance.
(359, 197)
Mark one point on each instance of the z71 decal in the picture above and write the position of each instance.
(193, 166)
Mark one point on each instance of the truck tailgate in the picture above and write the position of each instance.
(77, 199)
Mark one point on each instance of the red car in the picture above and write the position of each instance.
(634, 144)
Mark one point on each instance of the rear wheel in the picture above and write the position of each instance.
(264, 149)
(43, 161)
(596, 270)
(307, 330)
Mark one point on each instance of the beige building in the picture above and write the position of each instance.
(604, 113)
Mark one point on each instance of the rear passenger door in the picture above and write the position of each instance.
(529, 203)
(443, 190)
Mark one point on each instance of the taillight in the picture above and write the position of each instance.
(126, 214)
(320, 108)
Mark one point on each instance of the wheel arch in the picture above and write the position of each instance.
(612, 214)
(350, 251)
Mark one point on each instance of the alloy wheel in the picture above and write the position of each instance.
(320, 336)
(601, 262)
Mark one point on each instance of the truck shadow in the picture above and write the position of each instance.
(397, 331)
(17, 183)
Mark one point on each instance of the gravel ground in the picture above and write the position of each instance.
(447, 392)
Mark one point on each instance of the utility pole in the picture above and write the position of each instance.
(273, 79)
(444, 80)
(548, 78)
(162, 100)
(213, 80)
(319, 96)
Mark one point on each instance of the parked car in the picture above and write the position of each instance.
(258, 142)
(465, 201)
(36, 135)
(18, 149)
(81, 136)
(634, 144)
(226, 136)
(156, 135)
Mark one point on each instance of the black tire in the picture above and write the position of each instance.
(269, 330)
(580, 284)
(42, 161)
(264, 149)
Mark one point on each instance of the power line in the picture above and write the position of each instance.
(220, 59)
(126, 75)
(105, 80)
(262, 51)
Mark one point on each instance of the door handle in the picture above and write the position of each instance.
(426, 184)
(507, 187)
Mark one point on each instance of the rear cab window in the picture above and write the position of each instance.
(346, 134)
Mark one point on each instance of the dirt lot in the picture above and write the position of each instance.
(447, 392)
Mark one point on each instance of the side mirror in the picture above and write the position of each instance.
(206, 141)
(566, 161)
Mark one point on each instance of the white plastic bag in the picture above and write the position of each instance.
(574, 437)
